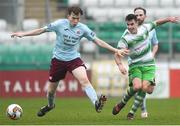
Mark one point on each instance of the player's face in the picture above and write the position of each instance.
(132, 26)
(140, 16)
(74, 19)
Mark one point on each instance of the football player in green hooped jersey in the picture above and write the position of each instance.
(140, 60)
(141, 16)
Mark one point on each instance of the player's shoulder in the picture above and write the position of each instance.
(80, 24)
(145, 25)
(83, 27)
(61, 21)
(148, 22)
(126, 34)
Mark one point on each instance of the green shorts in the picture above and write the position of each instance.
(143, 73)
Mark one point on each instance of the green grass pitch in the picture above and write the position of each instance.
(80, 111)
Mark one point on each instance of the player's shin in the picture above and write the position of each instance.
(143, 105)
(91, 93)
(138, 101)
(50, 97)
(130, 92)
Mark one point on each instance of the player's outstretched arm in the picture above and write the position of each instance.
(120, 52)
(168, 19)
(28, 33)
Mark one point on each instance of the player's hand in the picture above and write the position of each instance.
(122, 69)
(122, 52)
(174, 19)
(17, 34)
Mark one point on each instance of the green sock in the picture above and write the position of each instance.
(138, 101)
(130, 92)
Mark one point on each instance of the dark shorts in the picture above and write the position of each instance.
(58, 69)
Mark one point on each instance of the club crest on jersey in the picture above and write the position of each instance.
(78, 32)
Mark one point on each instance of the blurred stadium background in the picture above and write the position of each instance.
(24, 62)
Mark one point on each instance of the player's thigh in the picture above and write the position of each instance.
(81, 75)
(135, 75)
(148, 79)
(57, 70)
(78, 69)
(148, 75)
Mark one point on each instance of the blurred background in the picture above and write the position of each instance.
(24, 62)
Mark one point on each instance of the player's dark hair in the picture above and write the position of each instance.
(75, 9)
(130, 17)
(140, 8)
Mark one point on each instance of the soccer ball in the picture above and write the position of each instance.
(14, 111)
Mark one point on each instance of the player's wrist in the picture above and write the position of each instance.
(116, 51)
(169, 19)
(119, 64)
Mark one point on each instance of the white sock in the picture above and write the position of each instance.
(91, 93)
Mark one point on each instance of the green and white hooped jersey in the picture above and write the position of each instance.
(139, 45)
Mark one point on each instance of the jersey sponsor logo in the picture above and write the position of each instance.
(70, 40)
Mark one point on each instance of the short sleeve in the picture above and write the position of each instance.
(154, 39)
(52, 27)
(150, 26)
(89, 34)
(122, 44)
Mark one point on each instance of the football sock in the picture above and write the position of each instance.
(91, 93)
(143, 105)
(50, 97)
(130, 92)
(138, 101)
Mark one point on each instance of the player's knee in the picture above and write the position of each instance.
(84, 81)
(149, 92)
(51, 91)
(145, 89)
(148, 89)
(52, 87)
(137, 87)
